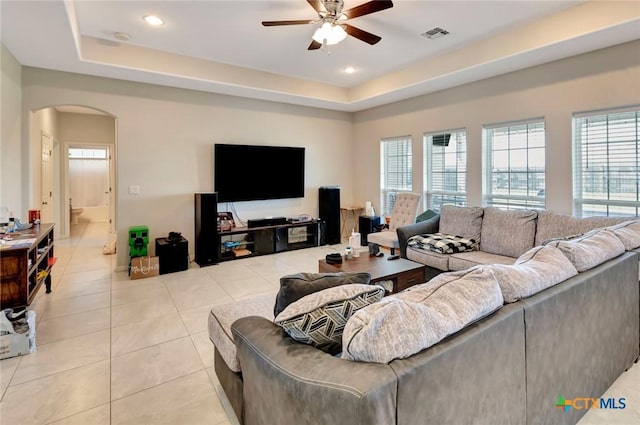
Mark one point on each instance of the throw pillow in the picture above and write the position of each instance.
(463, 221)
(319, 319)
(442, 243)
(591, 249)
(628, 232)
(508, 232)
(295, 286)
(539, 268)
(425, 314)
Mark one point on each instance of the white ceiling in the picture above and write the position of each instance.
(221, 46)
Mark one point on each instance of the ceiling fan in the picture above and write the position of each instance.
(334, 29)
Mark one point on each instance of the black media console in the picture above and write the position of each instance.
(260, 237)
(241, 242)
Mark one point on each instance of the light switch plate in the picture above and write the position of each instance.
(134, 189)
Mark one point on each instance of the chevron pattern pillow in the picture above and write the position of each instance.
(319, 319)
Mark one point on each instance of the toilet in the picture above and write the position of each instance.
(75, 213)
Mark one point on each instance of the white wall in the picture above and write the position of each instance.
(165, 138)
(11, 189)
(602, 79)
(165, 135)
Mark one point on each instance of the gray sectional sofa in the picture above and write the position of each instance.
(572, 340)
(501, 235)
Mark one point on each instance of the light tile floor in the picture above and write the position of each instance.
(116, 351)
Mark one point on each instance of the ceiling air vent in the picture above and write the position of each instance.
(437, 32)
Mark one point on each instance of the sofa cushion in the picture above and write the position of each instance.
(222, 316)
(539, 268)
(508, 232)
(442, 243)
(429, 258)
(295, 286)
(415, 319)
(628, 232)
(466, 260)
(591, 249)
(555, 225)
(318, 319)
(462, 221)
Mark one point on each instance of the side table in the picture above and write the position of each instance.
(348, 217)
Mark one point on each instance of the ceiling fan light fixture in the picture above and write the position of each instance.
(329, 34)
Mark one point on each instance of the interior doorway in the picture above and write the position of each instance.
(90, 183)
(74, 131)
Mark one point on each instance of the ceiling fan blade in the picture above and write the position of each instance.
(367, 8)
(314, 45)
(277, 23)
(365, 36)
(317, 5)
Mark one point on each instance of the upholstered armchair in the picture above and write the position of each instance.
(404, 212)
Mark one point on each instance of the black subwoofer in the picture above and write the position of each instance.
(173, 255)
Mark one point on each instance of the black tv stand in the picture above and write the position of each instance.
(243, 242)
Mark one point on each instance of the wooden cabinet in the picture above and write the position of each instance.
(25, 265)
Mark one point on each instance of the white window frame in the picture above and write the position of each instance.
(402, 181)
(615, 149)
(513, 200)
(434, 164)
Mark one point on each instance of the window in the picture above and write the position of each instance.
(606, 163)
(445, 169)
(515, 165)
(397, 167)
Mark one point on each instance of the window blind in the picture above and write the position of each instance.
(606, 168)
(445, 169)
(515, 165)
(397, 169)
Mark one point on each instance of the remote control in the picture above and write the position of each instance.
(393, 257)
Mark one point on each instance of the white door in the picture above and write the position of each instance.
(46, 207)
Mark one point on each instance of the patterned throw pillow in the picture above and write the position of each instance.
(295, 286)
(319, 319)
(442, 243)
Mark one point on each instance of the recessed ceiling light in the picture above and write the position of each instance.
(122, 36)
(350, 70)
(153, 20)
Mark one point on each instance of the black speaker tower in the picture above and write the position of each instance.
(206, 228)
(329, 213)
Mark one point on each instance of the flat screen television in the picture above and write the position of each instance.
(251, 173)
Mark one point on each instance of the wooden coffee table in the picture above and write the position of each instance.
(403, 273)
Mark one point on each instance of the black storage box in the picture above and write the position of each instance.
(172, 254)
